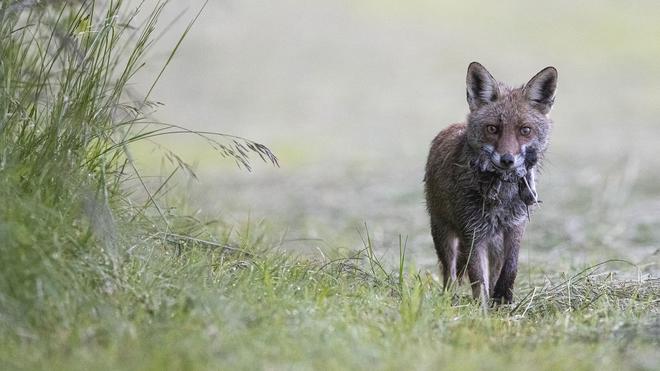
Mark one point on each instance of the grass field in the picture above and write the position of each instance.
(113, 255)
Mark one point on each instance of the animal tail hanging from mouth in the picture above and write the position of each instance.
(534, 194)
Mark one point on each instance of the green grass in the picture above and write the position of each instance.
(206, 309)
(99, 270)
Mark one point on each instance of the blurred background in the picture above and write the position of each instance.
(349, 94)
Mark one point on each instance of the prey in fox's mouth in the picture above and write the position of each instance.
(507, 167)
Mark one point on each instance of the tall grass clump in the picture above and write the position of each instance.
(68, 222)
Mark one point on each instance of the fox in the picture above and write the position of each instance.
(480, 180)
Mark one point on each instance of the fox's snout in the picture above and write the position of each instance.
(507, 160)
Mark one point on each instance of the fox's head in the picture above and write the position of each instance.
(508, 127)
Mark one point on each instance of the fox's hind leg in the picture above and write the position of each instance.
(446, 246)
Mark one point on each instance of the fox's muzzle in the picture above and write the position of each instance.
(507, 161)
(508, 166)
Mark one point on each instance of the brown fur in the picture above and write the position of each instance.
(480, 180)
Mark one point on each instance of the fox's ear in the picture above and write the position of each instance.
(540, 90)
(481, 86)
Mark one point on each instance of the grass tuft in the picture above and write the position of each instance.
(70, 221)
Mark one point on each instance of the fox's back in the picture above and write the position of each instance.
(444, 166)
(445, 147)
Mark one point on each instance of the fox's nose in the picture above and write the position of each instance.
(506, 160)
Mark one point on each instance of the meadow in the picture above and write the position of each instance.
(130, 238)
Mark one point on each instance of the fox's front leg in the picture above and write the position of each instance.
(446, 245)
(478, 271)
(503, 292)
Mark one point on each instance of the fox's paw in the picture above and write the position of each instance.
(497, 302)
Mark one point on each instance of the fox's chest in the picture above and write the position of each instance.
(506, 215)
(496, 212)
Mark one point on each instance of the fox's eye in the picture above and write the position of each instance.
(525, 130)
(491, 129)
